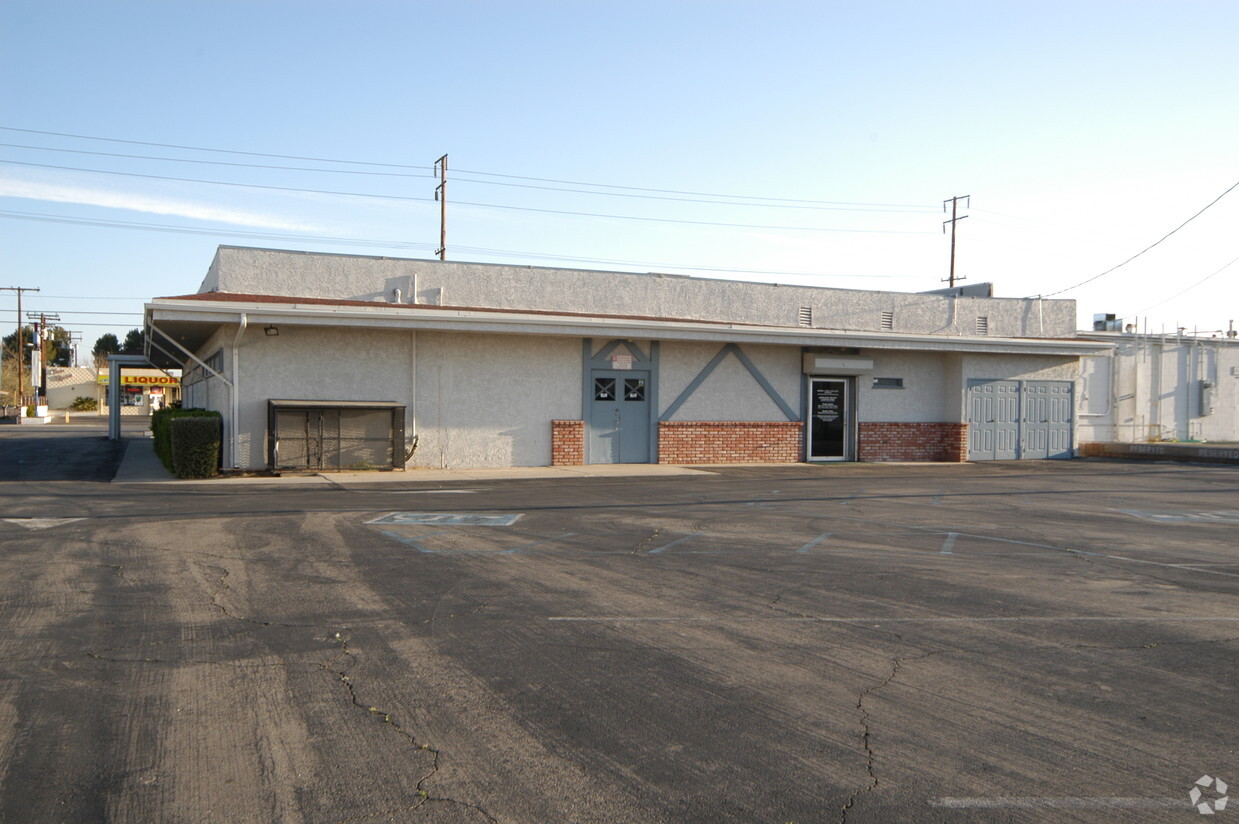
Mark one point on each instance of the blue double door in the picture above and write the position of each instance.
(619, 419)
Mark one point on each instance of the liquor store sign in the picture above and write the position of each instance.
(143, 380)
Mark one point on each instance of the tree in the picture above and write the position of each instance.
(8, 350)
(10, 340)
(59, 346)
(106, 345)
(135, 343)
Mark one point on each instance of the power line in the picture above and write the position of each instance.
(467, 203)
(213, 182)
(213, 162)
(695, 194)
(467, 171)
(1190, 288)
(733, 202)
(204, 149)
(347, 241)
(1147, 248)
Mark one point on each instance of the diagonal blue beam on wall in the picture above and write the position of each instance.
(712, 365)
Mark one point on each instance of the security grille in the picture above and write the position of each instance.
(314, 436)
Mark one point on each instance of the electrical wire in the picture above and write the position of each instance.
(219, 151)
(1188, 289)
(469, 171)
(217, 162)
(1147, 248)
(408, 198)
(368, 242)
(458, 180)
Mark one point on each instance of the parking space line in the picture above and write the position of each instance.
(674, 543)
(1078, 803)
(814, 542)
(810, 619)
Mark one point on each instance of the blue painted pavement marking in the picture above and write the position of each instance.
(673, 543)
(413, 541)
(538, 543)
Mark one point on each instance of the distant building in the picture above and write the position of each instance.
(142, 390)
(1149, 388)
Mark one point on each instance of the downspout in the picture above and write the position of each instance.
(235, 393)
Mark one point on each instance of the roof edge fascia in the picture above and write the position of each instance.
(499, 322)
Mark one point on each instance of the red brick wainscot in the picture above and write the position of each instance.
(913, 442)
(567, 443)
(697, 442)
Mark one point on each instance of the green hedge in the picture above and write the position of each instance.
(161, 427)
(195, 446)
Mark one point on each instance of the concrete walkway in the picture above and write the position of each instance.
(142, 466)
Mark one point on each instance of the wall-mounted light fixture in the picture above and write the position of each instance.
(271, 331)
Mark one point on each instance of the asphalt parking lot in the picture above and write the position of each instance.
(1007, 642)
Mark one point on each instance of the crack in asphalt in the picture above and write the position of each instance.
(436, 755)
(867, 729)
(222, 583)
(637, 549)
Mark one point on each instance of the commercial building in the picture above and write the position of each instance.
(321, 361)
(1160, 388)
(142, 390)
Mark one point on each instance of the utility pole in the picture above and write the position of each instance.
(21, 374)
(40, 337)
(441, 196)
(955, 218)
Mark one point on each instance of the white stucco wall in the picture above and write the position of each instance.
(488, 400)
(270, 272)
(926, 386)
(730, 393)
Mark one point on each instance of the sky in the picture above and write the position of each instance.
(797, 142)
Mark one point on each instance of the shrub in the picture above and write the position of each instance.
(195, 445)
(83, 404)
(161, 429)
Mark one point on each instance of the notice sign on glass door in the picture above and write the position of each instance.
(827, 398)
(828, 424)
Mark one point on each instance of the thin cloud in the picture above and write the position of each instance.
(149, 204)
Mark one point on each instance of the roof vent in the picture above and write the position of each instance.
(806, 315)
(982, 325)
(888, 321)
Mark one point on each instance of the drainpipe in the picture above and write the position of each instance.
(236, 387)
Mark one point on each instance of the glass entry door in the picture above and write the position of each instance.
(830, 421)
